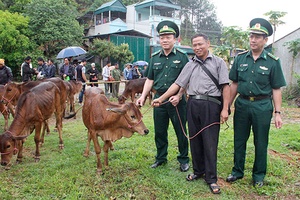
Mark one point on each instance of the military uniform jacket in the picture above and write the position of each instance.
(164, 70)
(257, 77)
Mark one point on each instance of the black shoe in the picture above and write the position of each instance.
(258, 184)
(231, 178)
(157, 164)
(184, 167)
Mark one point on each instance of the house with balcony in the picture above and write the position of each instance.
(133, 24)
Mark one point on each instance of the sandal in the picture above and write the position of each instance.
(192, 177)
(214, 188)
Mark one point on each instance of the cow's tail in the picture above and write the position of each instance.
(73, 114)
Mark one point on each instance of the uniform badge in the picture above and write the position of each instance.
(176, 61)
(157, 64)
(243, 65)
(263, 68)
(165, 27)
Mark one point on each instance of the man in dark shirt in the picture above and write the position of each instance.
(5, 73)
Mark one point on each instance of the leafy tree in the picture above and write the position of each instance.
(274, 19)
(54, 25)
(14, 5)
(123, 54)
(15, 43)
(294, 48)
(102, 48)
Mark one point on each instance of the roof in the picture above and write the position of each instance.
(132, 33)
(115, 5)
(159, 4)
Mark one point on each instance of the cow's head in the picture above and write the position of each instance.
(9, 146)
(133, 117)
(122, 99)
(10, 92)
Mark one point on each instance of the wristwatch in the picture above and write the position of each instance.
(277, 112)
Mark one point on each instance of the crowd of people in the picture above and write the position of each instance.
(252, 84)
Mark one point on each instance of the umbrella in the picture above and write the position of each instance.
(70, 52)
(140, 63)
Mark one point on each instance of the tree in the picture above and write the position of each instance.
(15, 43)
(54, 25)
(294, 48)
(274, 19)
(123, 54)
(14, 5)
(102, 48)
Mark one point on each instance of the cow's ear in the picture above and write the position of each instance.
(19, 137)
(117, 110)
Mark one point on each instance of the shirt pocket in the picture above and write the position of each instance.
(242, 73)
(157, 69)
(263, 76)
(174, 72)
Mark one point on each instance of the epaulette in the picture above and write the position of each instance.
(243, 52)
(272, 56)
(180, 50)
(155, 53)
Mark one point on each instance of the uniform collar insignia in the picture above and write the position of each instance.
(263, 67)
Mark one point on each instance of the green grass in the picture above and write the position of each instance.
(66, 174)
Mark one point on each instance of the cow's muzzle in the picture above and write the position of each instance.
(146, 131)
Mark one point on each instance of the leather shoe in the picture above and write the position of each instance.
(184, 167)
(258, 184)
(157, 164)
(231, 178)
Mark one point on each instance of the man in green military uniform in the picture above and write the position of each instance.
(257, 77)
(164, 67)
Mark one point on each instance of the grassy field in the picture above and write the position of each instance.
(66, 174)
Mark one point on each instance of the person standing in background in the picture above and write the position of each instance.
(67, 71)
(80, 76)
(27, 71)
(93, 73)
(257, 77)
(116, 74)
(106, 74)
(5, 73)
(50, 69)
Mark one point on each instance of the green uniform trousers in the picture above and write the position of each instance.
(256, 115)
(161, 115)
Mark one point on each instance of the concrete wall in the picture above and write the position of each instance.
(289, 65)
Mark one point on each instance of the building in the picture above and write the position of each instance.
(133, 24)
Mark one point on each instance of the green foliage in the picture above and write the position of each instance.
(102, 48)
(54, 25)
(123, 54)
(14, 39)
(14, 5)
(293, 47)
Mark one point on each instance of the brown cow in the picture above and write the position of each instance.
(4, 109)
(110, 121)
(33, 108)
(73, 87)
(133, 87)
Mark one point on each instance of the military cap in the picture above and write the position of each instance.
(261, 26)
(167, 27)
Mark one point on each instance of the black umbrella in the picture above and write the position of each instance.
(70, 52)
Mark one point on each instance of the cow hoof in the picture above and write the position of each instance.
(100, 172)
(18, 161)
(7, 168)
(86, 155)
(61, 146)
(37, 159)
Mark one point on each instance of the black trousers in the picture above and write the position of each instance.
(201, 113)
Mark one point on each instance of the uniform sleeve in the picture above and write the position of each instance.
(233, 74)
(277, 77)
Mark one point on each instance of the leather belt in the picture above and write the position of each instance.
(255, 98)
(207, 98)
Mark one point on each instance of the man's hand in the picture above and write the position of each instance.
(174, 100)
(140, 101)
(156, 102)
(278, 121)
(224, 116)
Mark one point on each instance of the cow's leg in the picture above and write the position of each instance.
(20, 150)
(59, 129)
(38, 127)
(97, 147)
(72, 105)
(132, 96)
(45, 126)
(5, 115)
(107, 145)
(87, 149)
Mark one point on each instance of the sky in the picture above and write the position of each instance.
(240, 13)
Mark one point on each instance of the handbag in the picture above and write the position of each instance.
(216, 83)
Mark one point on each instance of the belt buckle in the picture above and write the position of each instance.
(251, 98)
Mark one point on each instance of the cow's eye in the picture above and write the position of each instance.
(132, 117)
(8, 146)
